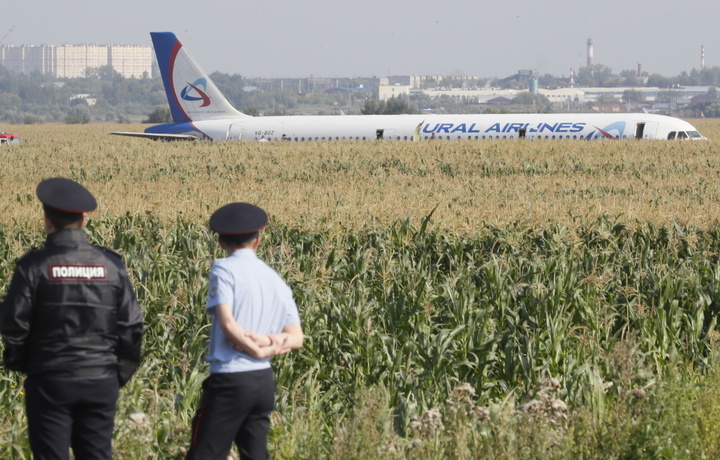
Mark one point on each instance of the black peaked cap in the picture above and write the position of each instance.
(65, 195)
(238, 219)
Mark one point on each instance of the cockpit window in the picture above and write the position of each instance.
(694, 135)
(682, 135)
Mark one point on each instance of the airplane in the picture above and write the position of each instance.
(7, 138)
(201, 112)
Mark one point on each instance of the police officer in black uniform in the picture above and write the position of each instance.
(72, 324)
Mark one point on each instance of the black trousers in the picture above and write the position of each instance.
(234, 407)
(77, 413)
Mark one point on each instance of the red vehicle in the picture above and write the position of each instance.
(7, 138)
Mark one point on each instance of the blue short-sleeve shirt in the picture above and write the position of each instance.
(261, 302)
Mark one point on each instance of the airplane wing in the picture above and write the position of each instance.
(160, 136)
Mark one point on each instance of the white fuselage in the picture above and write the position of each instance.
(447, 127)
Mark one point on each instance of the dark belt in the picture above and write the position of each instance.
(79, 373)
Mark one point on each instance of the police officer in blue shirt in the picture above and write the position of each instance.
(254, 317)
(72, 324)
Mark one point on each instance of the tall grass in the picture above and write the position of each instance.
(439, 324)
(369, 184)
(409, 321)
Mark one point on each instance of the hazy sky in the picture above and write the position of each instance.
(336, 38)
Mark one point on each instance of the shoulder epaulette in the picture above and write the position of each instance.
(27, 254)
(111, 251)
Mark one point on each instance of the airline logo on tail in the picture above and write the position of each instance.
(193, 92)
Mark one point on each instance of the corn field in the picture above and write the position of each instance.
(470, 300)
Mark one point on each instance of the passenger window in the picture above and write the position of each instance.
(671, 135)
(682, 135)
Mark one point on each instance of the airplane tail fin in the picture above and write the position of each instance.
(191, 94)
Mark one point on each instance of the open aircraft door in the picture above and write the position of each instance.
(384, 134)
(646, 130)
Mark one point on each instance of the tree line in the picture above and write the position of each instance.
(104, 95)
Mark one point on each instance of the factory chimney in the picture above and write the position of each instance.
(572, 78)
(639, 74)
(590, 57)
(702, 57)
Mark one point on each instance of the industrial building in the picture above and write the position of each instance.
(563, 98)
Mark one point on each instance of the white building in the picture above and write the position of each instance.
(73, 61)
(385, 92)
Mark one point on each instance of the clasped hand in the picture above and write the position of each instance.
(260, 346)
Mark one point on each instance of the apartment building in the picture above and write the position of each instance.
(73, 61)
